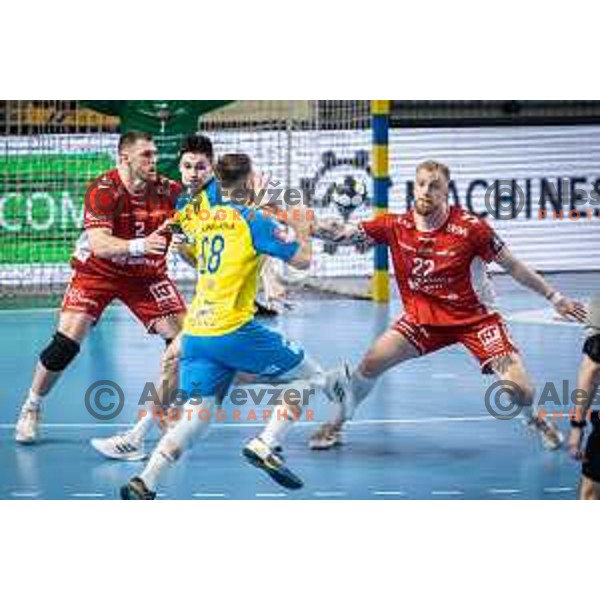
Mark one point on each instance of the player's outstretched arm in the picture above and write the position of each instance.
(336, 232)
(105, 245)
(527, 277)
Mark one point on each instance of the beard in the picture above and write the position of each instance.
(425, 207)
(144, 175)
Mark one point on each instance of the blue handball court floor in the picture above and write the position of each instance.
(424, 433)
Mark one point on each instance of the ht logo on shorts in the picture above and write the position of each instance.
(490, 337)
(164, 294)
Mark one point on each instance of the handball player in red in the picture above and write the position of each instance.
(439, 255)
(121, 255)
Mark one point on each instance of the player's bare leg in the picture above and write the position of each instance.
(129, 446)
(511, 368)
(54, 359)
(350, 388)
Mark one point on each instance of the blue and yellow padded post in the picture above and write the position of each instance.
(380, 115)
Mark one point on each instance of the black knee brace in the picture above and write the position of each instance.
(168, 342)
(592, 347)
(59, 353)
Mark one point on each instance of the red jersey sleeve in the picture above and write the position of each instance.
(378, 229)
(486, 242)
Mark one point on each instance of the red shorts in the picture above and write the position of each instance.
(148, 299)
(486, 340)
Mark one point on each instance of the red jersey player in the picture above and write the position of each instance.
(439, 255)
(121, 255)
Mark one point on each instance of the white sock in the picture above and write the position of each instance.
(308, 371)
(140, 430)
(189, 428)
(278, 427)
(157, 463)
(33, 400)
(361, 386)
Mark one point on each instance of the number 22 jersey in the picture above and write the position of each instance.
(441, 275)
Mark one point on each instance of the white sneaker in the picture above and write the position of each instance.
(552, 438)
(27, 429)
(120, 447)
(338, 389)
(328, 436)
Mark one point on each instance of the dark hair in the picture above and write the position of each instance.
(131, 137)
(233, 168)
(197, 144)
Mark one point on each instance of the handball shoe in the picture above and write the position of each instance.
(327, 436)
(136, 490)
(120, 447)
(27, 429)
(260, 455)
(552, 438)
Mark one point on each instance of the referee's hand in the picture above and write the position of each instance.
(575, 442)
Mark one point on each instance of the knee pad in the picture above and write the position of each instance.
(592, 347)
(59, 353)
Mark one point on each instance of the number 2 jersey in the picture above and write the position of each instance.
(110, 206)
(442, 274)
(228, 241)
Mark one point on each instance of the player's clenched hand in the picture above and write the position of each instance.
(155, 243)
(571, 309)
(575, 443)
(329, 230)
(178, 242)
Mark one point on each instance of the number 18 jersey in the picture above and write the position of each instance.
(229, 240)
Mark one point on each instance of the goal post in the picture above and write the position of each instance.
(380, 110)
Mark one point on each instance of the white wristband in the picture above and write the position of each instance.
(555, 298)
(136, 247)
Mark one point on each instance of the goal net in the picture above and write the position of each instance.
(50, 150)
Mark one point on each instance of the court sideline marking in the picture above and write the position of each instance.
(357, 423)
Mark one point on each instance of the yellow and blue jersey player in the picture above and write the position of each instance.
(221, 336)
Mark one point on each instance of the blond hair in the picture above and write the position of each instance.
(434, 166)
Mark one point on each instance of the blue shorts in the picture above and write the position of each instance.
(209, 363)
